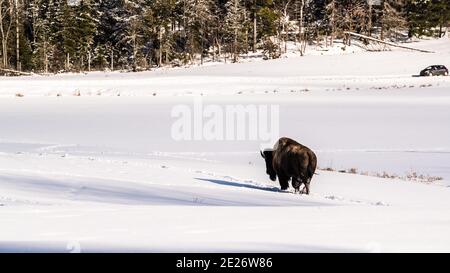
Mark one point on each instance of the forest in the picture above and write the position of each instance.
(52, 36)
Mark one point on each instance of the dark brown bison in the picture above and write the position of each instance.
(290, 160)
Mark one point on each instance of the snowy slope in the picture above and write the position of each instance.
(101, 172)
(373, 71)
(161, 203)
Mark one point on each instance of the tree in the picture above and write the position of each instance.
(105, 41)
(201, 22)
(17, 21)
(234, 21)
(331, 9)
(56, 35)
(441, 11)
(425, 15)
(46, 33)
(70, 34)
(159, 25)
(392, 17)
(86, 25)
(301, 27)
(6, 22)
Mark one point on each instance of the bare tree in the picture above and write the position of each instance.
(302, 31)
(6, 23)
(331, 9)
(391, 17)
(351, 16)
(255, 33)
(285, 24)
(16, 13)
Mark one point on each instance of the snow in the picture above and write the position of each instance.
(370, 71)
(101, 172)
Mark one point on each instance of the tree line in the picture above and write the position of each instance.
(83, 35)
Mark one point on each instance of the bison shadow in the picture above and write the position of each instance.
(241, 185)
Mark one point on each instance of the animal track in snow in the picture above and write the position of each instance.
(342, 199)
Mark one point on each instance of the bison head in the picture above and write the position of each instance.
(268, 157)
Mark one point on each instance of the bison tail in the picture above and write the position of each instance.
(312, 164)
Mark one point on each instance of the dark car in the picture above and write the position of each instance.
(434, 70)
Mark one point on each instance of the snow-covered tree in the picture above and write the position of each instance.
(53, 35)
(86, 23)
(234, 21)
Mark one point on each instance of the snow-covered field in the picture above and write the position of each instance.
(101, 171)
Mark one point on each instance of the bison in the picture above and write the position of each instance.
(290, 160)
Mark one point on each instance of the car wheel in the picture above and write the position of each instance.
(446, 74)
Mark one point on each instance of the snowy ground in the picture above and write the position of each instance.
(101, 172)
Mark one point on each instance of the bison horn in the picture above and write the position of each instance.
(262, 154)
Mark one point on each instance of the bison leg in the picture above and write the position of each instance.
(284, 181)
(296, 183)
(303, 190)
(306, 188)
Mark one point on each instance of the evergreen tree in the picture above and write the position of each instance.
(70, 34)
(159, 25)
(57, 35)
(105, 42)
(425, 15)
(234, 21)
(86, 25)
